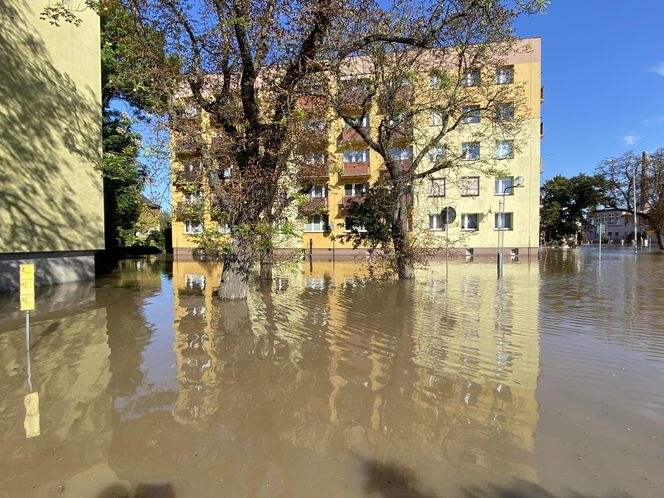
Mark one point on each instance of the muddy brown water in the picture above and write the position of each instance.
(549, 383)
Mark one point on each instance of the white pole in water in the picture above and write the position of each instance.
(27, 331)
(634, 205)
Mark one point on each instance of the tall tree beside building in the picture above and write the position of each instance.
(645, 172)
(565, 202)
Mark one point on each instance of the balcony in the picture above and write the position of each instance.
(189, 210)
(403, 164)
(312, 101)
(316, 170)
(349, 200)
(541, 94)
(350, 135)
(188, 145)
(541, 129)
(356, 169)
(353, 94)
(187, 177)
(314, 205)
(403, 132)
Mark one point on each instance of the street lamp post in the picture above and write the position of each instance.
(518, 182)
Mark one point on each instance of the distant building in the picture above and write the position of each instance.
(51, 202)
(618, 225)
(149, 219)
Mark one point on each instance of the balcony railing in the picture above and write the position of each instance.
(353, 95)
(349, 200)
(188, 145)
(350, 135)
(183, 177)
(403, 164)
(312, 101)
(356, 169)
(314, 204)
(189, 210)
(316, 170)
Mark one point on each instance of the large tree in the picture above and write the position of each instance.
(646, 173)
(565, 202)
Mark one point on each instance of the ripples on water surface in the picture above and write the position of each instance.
(326, 383)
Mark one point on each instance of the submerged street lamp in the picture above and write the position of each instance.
(518, 182)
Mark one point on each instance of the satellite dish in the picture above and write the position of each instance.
(448, 214)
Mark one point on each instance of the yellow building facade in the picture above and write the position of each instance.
(51, 198)
(495, 193)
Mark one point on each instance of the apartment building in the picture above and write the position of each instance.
(51, 200)
(493, 191)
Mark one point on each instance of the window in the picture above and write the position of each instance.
(471, 114)
(471, 78)
(470, 150)
(469, 221)
(192, 166)
(436, 222)
(361, 121)
(436, 81)
(192, 227)
(402, 153)
(437, 118)
(193, 197)
(317, 224)
(505, 112)
(470, 185)
(223, 228)
(504, 75)
(505, 185)
(503, 221)
(351, 189)
(315, 158)
(194, 282)
(350, 225)
(356, 156)
(437, 187)
(504, 149)
(317, 191)
(315, 124)
(437, 153)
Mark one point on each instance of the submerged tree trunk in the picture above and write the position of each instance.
(403, 252)
(238, 263)
(266, 262)
(660, 243)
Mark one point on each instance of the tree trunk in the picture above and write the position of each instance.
(266, 262)
(403, 253)
(234, 282)
(660, 243)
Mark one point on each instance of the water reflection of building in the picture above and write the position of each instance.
(438, 375)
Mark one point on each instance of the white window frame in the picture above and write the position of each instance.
(502, 183)
(193, 227)
(436, 186)
(504, 221)
(437, 118)
(223, 228)
(436, 81)
(363, 124)
(315, 158)
(354, 189)
(471, 78)
(317, 224)
(436, 223)
(471, 114)
(465, 221)
(317, 191)
(193, 281)
(401, 153)
(437, 153)
(504, 75)
(359, 228)
(469, 186)
(505, 112)
(193, 197)
(356, 156)
(466, 151)
(504, 149)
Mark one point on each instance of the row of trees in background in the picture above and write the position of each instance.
(567, 201)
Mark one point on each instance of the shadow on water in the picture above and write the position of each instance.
(119, 490)
(47, 139)
(391, 480)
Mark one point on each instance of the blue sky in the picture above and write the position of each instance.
(603, 73)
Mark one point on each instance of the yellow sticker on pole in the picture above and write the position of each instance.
(27, 274)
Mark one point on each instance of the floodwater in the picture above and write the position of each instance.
(549, 383)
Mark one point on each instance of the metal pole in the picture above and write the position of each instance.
(600, 241)
(501, 240)
(634, 205)
(27, 331)
(447, 239)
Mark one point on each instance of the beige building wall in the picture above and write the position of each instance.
(51, 198)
